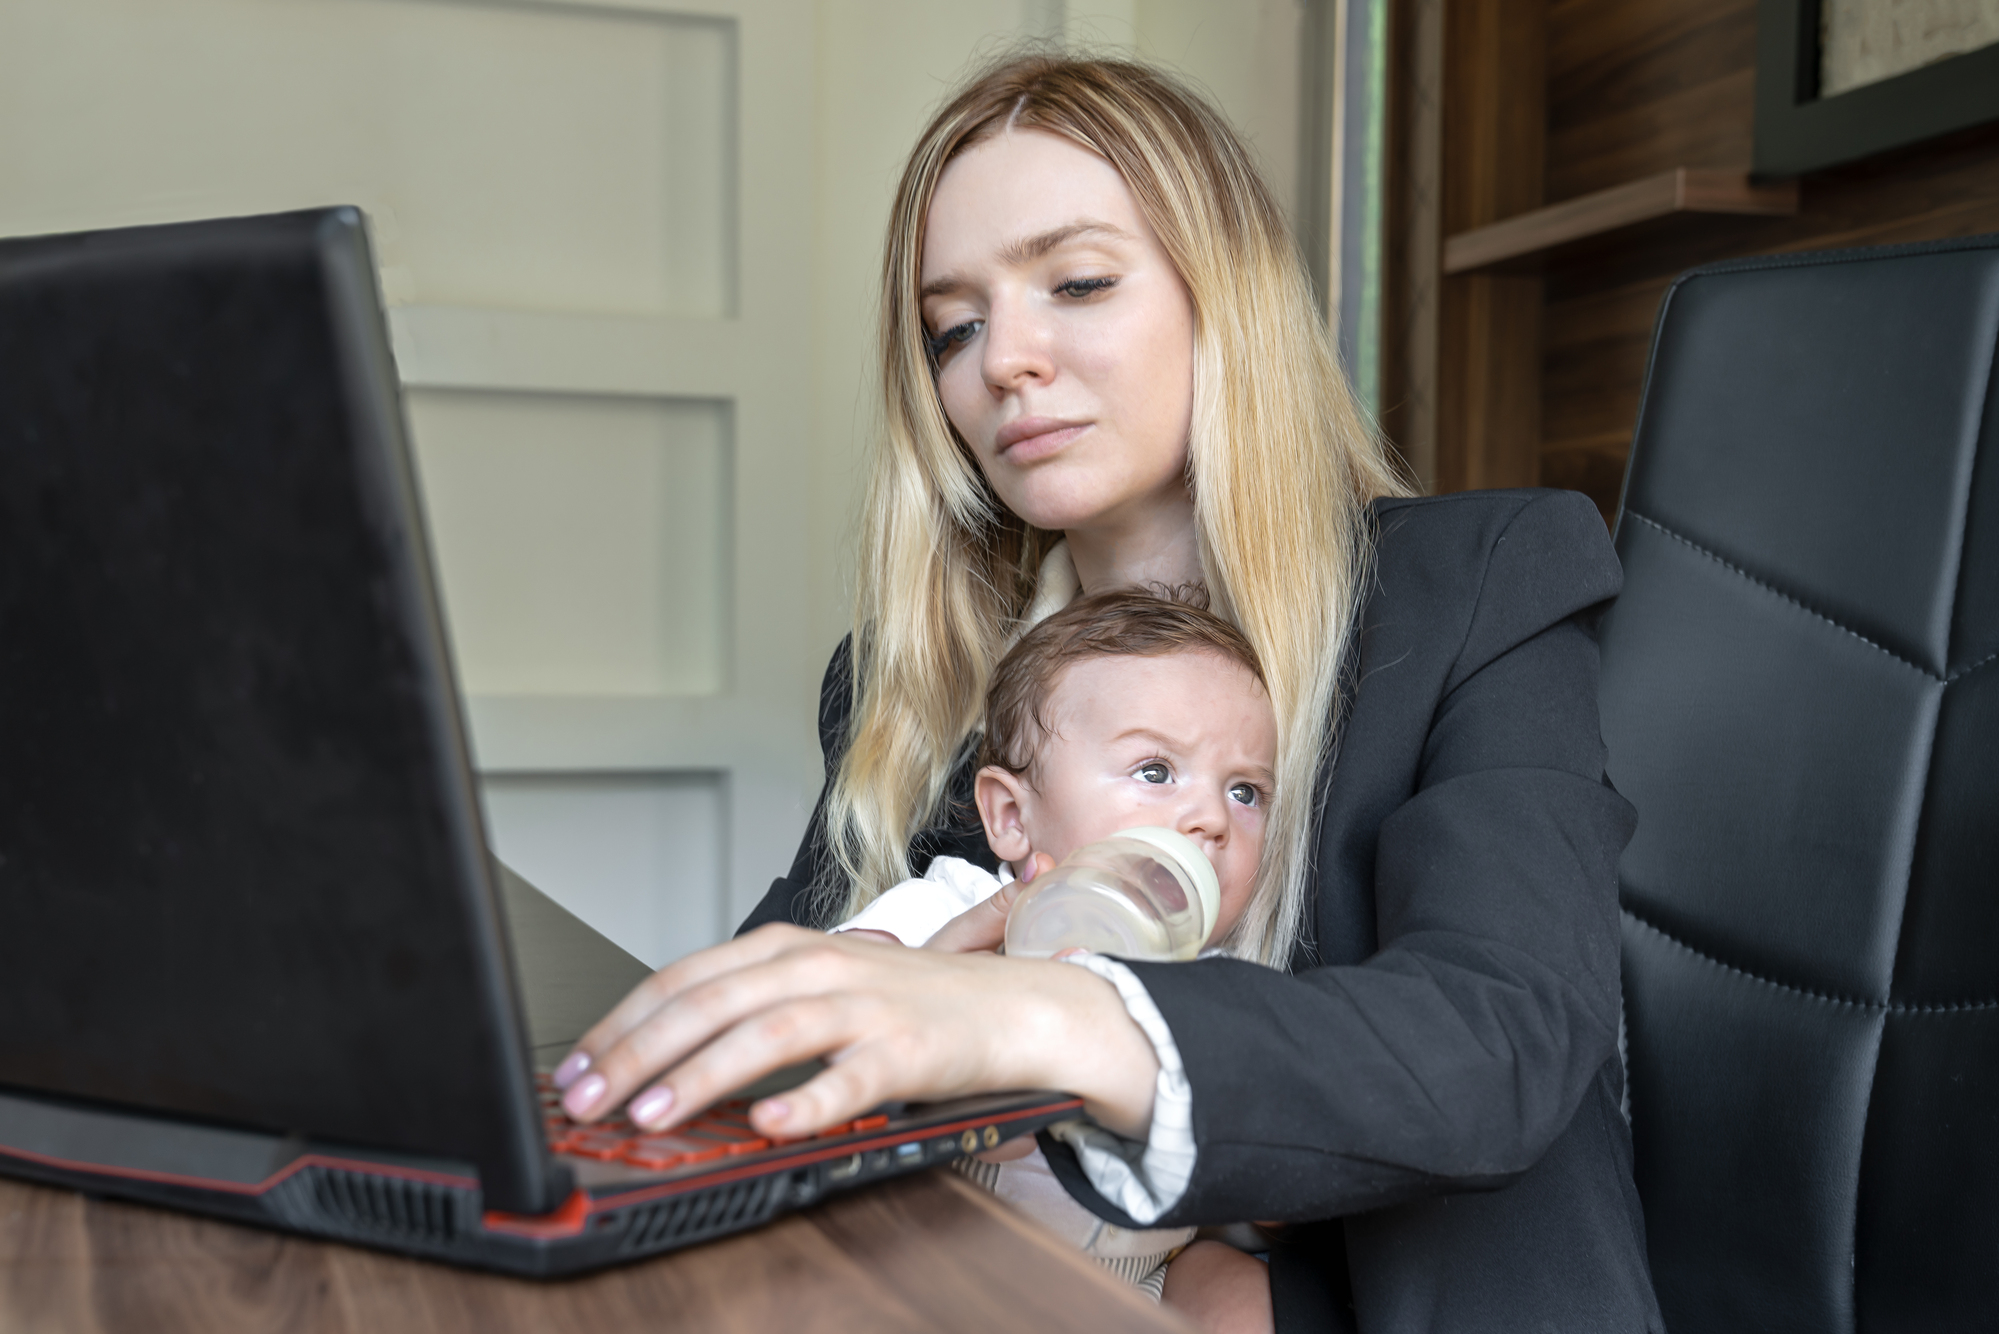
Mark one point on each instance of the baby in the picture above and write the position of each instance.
(1120, 710)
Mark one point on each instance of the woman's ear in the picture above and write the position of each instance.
(1001, 798)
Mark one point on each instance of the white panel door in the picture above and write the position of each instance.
(590, 220)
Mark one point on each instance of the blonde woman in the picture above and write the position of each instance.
(1102, 368)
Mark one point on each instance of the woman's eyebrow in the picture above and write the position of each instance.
(1034, 247)
(1028, 249)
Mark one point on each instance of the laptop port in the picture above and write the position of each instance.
(909, 1153)
(845, 1170)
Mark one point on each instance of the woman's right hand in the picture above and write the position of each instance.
(891, 1023)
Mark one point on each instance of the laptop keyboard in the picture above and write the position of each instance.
(723, 1131)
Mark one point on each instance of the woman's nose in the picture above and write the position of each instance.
(1016, 348)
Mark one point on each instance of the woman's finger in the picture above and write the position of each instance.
(861, 1078)
(658, 990)
(683, 1021)
(770, 1039)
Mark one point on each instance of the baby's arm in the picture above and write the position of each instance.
(915, 910)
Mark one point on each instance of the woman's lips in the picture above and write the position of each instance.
(1031, 438)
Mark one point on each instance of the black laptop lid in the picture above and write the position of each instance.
(242, 876)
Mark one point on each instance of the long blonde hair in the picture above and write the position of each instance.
(1281, 465)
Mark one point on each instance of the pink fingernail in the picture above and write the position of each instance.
(572, 1065)
(652, 1105)
(579, 1100)
(775, 1111)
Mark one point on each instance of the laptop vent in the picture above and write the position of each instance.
(366, 1207)
(703, 1214)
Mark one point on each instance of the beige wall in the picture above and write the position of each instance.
(630, 251)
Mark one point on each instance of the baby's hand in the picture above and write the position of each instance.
(983, 925)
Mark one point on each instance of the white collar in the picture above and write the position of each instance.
(1055, 587)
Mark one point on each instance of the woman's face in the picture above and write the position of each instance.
(1064, 335)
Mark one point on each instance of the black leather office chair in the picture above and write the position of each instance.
(1801, 696)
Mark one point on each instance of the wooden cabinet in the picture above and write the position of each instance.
(1636, 117)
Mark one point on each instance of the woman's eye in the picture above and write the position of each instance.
(1154, 772)
(1081, 287)
(951, 337)
(1245, 793)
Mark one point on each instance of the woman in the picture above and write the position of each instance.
(1102, 368)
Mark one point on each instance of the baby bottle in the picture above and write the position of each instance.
(1140, 894)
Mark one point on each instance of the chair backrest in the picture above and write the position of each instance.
(1801, 697)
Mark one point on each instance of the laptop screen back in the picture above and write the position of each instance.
(242, 876)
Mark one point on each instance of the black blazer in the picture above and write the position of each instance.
(1437, 1078)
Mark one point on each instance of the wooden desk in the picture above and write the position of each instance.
(927, 1252)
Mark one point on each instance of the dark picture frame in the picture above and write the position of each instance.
(1798, 131)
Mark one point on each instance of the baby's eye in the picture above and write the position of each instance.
(1154, 771)
(1246, 794)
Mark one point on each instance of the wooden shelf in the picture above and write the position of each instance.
(1681, 190)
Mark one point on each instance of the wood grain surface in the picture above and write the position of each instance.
(1680, 190)
(1643, 86)
(1638, 105)
(927, 1252)
(1489, 325)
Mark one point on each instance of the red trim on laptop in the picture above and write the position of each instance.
(575, 1216)
(568, 1219)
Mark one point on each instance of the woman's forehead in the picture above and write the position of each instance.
(1003, 198)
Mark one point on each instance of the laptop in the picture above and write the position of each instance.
(256, 960)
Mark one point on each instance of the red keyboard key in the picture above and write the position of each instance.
(870, 1122)
(602, 1145)
(749, 1145)
(656, 1154)
(711, 1130)
(845, 1127)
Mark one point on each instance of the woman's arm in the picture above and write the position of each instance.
(891, 1023)
(792, 897)
(1455, 1054)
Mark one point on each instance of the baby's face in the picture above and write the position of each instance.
(1186, 741)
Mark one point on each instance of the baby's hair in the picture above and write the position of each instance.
(1126, 623)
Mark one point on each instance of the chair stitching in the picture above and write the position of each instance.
(1850, 255)
(1775, 591)
(1985, 661)
(1891, 1007)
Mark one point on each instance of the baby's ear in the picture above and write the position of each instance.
(1001, 798)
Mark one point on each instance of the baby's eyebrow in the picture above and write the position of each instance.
(1159, 739)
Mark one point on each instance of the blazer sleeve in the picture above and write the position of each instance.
(1455, 1055)
(793, 897)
